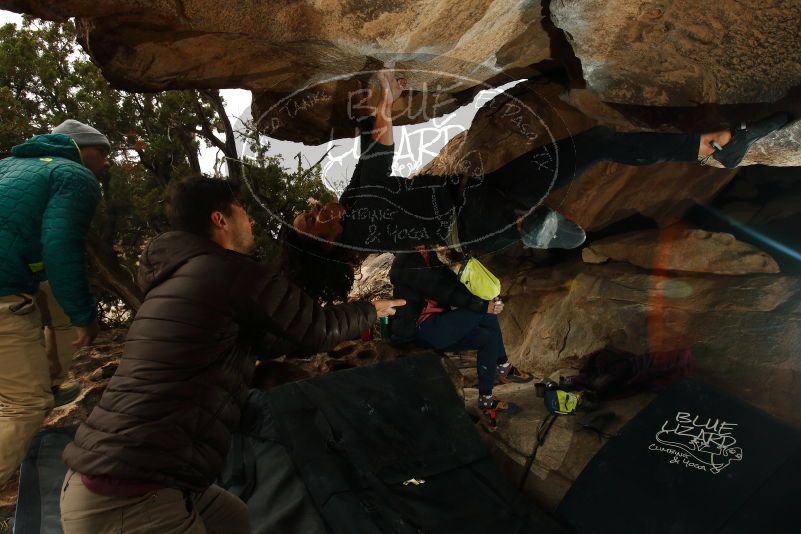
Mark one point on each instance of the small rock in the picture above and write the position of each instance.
(588, 255)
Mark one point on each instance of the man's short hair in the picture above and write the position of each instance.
(192, 200)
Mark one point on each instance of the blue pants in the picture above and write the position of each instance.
(467, 330)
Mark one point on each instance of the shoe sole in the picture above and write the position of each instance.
(754, 133)
(556, 232)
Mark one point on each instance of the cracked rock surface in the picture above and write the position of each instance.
(644, 54)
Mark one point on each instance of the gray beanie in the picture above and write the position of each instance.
(83, 134)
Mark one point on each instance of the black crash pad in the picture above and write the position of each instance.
(360, 437)
(693, 461)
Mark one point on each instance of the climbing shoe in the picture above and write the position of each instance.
(509, 373)
(490, 406)
(65, 393)
(731, 154)
(546, 228)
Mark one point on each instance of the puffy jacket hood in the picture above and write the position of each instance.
(54, 145)
(168, 251)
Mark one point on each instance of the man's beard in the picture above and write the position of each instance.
(245, 244)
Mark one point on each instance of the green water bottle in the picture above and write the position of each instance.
(383, 323)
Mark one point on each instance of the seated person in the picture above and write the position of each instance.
(441, 313)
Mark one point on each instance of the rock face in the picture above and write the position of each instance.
(299, 49)
(682, 52)
(288, 46)
(745, 332)
(682, 249)
(565, 451)
(327, 110)
(760, 196)
(663, 65)
(303, 60)
(372, 281)
(610, 192)
(535, 114)
(522, 118)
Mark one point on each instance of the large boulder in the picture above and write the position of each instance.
(289, 46)
(682, 249)
(520, 119)
(745, 331)
(288, 52)
(684, 52)
(538, 112)
(304, 60)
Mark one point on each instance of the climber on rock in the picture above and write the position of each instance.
(146, 457)
(441, 313)
(380, 212)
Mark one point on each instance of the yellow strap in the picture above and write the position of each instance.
(36, 267)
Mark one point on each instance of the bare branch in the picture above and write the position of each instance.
(207, 132)
(309, 170)
(229, 146)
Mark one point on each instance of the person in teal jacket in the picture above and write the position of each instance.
(48, 194)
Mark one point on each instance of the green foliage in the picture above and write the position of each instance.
(275, 194)
(46, 78)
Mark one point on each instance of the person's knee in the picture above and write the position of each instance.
(221, 509)
(242, 521)
(34, 402)
(490, 321)
(486, 339)
(489, 328)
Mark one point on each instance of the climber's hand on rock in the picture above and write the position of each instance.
(385, 308)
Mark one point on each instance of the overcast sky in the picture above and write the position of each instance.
(415, 145)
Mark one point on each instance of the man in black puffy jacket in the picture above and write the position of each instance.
(443, 314)
(146, 457)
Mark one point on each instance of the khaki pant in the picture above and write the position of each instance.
(162, 511)
(58, 334)
(25, 394)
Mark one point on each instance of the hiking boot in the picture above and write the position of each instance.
(65, 393)
(746, 135)
(547, 229)
(509, 373)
